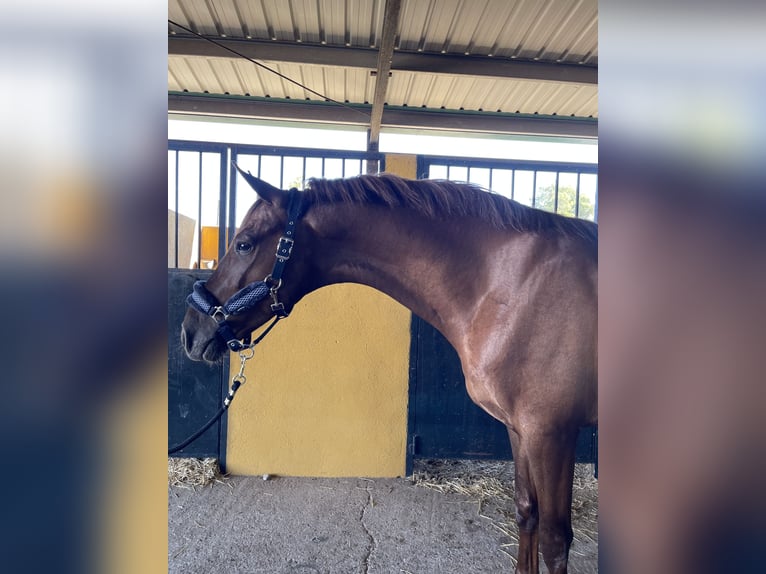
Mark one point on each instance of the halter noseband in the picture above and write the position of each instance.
(249, 296)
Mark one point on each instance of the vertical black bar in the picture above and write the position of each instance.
(222, 207)
(281, 172)
(595, 452)
(176, 216)
(595, 203)
(534, 187)
(232, 196)
(491, 171)
(513, 183)
(303, 177)
(412, 392)
(577, 196)
(323, 170)
(422, 167)
(199, 213)
(556, 194)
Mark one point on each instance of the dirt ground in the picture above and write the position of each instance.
(450, 517)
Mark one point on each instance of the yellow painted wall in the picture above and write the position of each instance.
(327, 390)
(209, 251)
(326, 393)
(402, 165)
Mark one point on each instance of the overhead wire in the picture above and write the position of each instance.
(268, 68)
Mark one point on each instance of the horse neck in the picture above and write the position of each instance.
(401, 253)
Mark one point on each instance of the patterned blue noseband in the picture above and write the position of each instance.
(251, 295)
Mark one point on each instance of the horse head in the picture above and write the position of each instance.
(259, 276)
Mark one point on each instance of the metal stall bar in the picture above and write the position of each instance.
(222, 243)
(513, 183)
(176, 213)
(199, 212)
(577, 196)
(425, 163)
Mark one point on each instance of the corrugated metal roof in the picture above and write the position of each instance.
(562, 32)
(548, 30)
(437, 91)
(490, 94)
(331, 22)
(241, 78)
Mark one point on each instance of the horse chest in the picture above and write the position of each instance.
(485, 394)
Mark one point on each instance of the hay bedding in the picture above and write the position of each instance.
(191, 472)
(490, 485)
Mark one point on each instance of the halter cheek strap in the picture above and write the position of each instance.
(249, 296)
(284, 250)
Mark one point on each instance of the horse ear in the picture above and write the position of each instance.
(265, 191)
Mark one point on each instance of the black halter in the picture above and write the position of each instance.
(248, 297)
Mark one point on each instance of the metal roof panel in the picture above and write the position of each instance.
(563, 31)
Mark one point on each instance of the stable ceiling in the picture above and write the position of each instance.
(504, 66)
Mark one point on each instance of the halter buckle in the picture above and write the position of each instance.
(219, 315)
(284, 248)
(273, 284)
(278, 308)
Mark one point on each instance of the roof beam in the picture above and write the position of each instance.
(495, 67)
(404, 61)
(383, 68)
(301, 110)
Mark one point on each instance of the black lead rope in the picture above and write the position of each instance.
(237, 381)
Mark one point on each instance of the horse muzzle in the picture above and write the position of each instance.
(242, 301)
(200, 341)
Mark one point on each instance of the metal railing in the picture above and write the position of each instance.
(567, 188)
(205, 205)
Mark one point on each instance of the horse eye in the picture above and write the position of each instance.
(243, 247)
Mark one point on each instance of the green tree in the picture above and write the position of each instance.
(545, 199)
(296, 182)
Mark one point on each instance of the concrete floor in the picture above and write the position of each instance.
(343, 526)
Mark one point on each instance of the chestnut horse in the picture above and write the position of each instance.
(512, 288)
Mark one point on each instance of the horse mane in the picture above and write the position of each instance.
(438, 199)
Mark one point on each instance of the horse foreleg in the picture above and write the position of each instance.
(525, 498)
(544, 469)
(551, 466)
